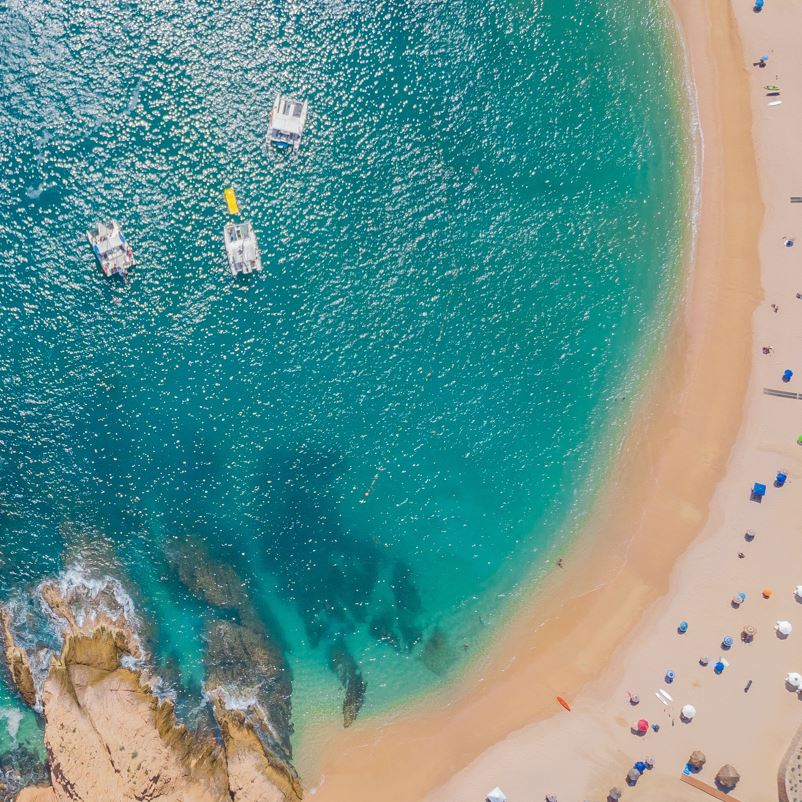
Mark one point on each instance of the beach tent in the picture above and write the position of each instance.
(784, 628)
(794, 679)
(697, 759)
(727, 777)
(496, 795)
(688, 712)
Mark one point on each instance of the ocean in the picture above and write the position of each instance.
(370, 450)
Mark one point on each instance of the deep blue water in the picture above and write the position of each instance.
(386, 435)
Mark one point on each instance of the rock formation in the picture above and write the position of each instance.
(109, 737)
(347, 670)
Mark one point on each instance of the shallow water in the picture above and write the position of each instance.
(384, 435)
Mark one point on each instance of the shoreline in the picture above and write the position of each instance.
(650, 513)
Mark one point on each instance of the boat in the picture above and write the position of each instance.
(287, 121)
(111, 250)
(563, 703)
(231, 201)
(241, 248)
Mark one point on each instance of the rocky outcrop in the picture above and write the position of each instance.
(108, 735)
(242, 658)
(17, 663)
(37, 793)
(250, 763)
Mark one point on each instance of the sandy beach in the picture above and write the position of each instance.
(666, 535)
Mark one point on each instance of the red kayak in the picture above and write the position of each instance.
(563, 703)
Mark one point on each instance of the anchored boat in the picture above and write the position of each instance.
(111, 250)
(241, 248)
(287, 121)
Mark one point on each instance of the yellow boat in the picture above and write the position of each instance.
(231, 200)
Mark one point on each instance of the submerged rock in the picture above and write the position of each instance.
(214, 582)
(343, 664)
(438, 654)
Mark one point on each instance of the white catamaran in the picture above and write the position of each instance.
(241, 248)
(287, 121)
(111, 250)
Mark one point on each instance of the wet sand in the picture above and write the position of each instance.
(581, 629)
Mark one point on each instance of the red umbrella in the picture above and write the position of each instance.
(643, 725)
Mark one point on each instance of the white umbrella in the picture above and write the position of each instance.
(689, 711)
(496, 795)
(794, 679)
(798, 591)
(783, 627)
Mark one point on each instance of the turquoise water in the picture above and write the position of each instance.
(379, 440)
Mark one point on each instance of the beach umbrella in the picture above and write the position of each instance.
(798, 591)
(794, 679)
(727, 642)
(784, 628)
(688, 712)
(727, 777)
(767, 593)
(643, 725)
(739, 598)
(551, 798)
(748, 632)
(496, 795)
(633, 775)
(614, 795)
(697, 759)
